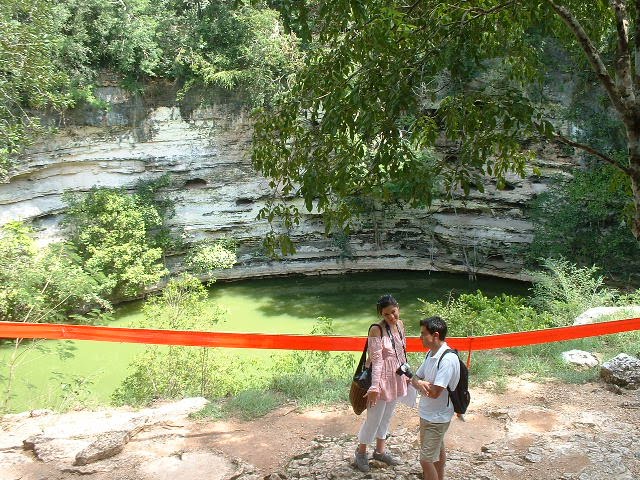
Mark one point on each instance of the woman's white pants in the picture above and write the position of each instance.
(377, 423)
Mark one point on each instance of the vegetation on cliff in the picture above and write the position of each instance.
(387, 82)
(356, 96)
(114, 249)
(53, 52)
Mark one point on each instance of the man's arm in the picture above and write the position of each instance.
(434, 391)
(427, 389)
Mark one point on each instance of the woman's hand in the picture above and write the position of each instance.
(372, 398)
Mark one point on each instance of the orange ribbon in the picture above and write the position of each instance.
(299, 342)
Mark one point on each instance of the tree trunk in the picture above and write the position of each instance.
(633, 139)
(634, 175)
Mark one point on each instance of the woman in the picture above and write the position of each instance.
(387, 352)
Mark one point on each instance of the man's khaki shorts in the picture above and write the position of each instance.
(431, 440)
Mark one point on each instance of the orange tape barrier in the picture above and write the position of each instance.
(299, 342)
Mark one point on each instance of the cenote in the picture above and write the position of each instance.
(270, 305)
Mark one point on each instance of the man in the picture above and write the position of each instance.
(435, 408)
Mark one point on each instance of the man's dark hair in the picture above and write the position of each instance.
(435, 324)
(385, 301)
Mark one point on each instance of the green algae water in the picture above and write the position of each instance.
(66, 371)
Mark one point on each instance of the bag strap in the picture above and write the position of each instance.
(363, 358)
(444, 353)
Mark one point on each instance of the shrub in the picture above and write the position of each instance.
(477, 314)
(111, 232)
(208, 256)
(583, 220)
(44, 285)
(565, 290)
(313, 376)
(178, 371)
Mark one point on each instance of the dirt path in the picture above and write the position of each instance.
(522, 415)
(531, 431)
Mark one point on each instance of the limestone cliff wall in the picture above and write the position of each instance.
(218, 193)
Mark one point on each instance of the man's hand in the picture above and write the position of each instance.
(421, 385)
(434, 391)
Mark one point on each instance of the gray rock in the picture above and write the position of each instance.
(580, 358)
(216, 191)
(105, 446)
(509, 467)
(622, 370)
(533, 457)
(593, 314)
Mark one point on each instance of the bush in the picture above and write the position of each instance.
(45, 285)
(208, 256)
(583, 220)
(475, 314)
(111, 232)
(313, 377)
(565, 290)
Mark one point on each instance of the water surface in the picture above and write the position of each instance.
(272, 305)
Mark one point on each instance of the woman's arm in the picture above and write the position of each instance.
(375, 356)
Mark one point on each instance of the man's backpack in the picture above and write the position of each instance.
(460, 396)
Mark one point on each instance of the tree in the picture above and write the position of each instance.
(29, 76)
(111, 232)
(389, 81)
(177, 371)
(44, 285)
(580, 219)
(40, 286)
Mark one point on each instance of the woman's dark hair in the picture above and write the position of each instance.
(435, 324)
(385, 301)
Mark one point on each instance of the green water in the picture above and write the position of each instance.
(276, 305)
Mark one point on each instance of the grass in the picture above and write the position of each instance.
(275, 305)
(313, 378)
(487, 366)
(490, 369)
(543, 362)
(253, 403)
(308, 390)
(212, 410)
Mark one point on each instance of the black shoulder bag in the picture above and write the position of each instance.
(363, 374)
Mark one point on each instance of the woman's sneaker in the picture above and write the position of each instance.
(386, 458)
(362, 461)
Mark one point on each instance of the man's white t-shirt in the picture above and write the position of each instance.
(439, 410)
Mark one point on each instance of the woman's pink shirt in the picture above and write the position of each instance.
(384, 378)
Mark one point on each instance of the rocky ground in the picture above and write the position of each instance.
(531, 431)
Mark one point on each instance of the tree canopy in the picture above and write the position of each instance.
(29, 76)
(399, 98)
(51, 54)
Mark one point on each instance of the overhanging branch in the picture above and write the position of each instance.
(636, 49)
(586, 148)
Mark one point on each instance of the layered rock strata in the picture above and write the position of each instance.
(217, 193)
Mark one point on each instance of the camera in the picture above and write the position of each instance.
(404, 369)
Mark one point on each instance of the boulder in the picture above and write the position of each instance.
(593, 314)
(580, 358)
(104, 446)
(622, 370)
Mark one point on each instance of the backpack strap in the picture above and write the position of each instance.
(444, 353)
(448, 350)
